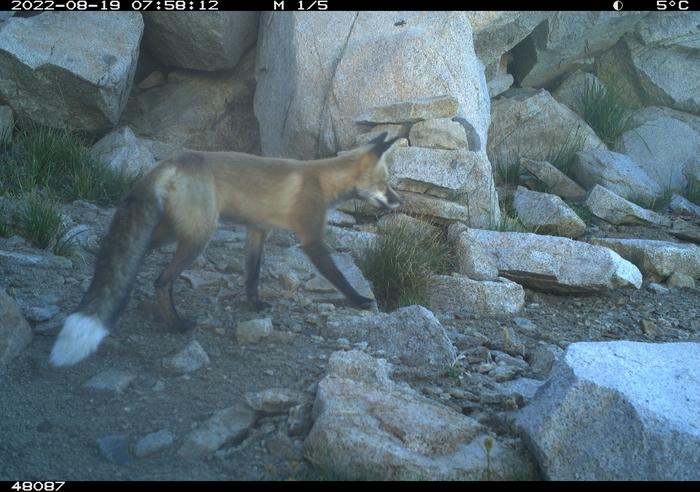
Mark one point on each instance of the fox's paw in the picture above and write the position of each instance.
(183, 325)
(259, 305)
(364, 303)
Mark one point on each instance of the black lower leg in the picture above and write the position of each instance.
(253, 261)
(318, 253)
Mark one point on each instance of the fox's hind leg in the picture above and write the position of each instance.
(186, 252)
(253, 258)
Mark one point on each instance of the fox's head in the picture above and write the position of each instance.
(372, 185)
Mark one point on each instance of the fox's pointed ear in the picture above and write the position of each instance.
(380, 146)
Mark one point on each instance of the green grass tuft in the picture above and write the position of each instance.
(604, 113)
(582, 210)
(39, 220)
(400, 263)
(562, 155)
(57, 162)
(692, 191)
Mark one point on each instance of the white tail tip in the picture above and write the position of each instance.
(79, 338)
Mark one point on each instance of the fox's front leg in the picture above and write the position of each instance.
(318, 253)
(253, 259)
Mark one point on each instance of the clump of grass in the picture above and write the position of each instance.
(582, 210)
(4, 225)
(400, 263)
(562, 155)
(39, 220)
(510, 222)
(656, 204)
(57, 161)
(692, 191)
(604, 113)
(508, 172)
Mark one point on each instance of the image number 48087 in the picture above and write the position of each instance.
(37, 486)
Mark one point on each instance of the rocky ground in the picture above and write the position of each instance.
(65, 425)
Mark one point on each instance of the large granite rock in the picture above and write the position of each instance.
(547, 213)
(531, 124)
(556, 181)
(658, 63)
(496, 32)
(453, 293)
(618, 411)
(666, 148)
(613, 208)
(616, 172)
(318, 71)
(567, 40)
(200, 40)
(198, 110)
(548, 263)
(656, 259)
(70, 69)
(411, 335)
(368, 427)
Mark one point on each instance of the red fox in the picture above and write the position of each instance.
(182, 199)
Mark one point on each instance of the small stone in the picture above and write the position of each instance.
(319, 284)
(281, 446)
(681, 280)
(504, 372)
(274, 400)
(657, 288)
(254, 330)
(524, 324)
(111, 380)
(40, 314)
(229, 425)
(153, 443)
(114, 449)
(189, 359)
(649, 328)
(438, 133)
(153, 79)
(503, 358)
(289, 281)
(543, 358)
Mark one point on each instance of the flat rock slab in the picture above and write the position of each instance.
(227, 426)
(189, 359)
(556, 181)
(368, 427)
(615, 172)
(547, 213)
(411, 111)
(491, 297)
(275, 400)
(153, 443)
(613, 208)
(548, 263)
(110, 381)
(410, 334)
(450, 169)
(658, 259)
(44, 80)
(438, 133)
(618, 411)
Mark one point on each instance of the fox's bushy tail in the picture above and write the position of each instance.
(116, 267)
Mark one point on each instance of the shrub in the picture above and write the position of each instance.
(603, 112)
(57, 161)
(400, 263)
